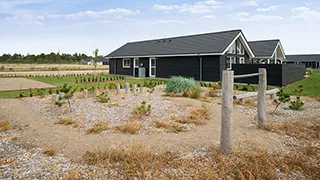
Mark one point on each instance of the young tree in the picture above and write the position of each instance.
(96, 56)
(68, 94)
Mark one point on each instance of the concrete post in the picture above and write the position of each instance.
(134, 88)
(273, 96)
(141, 90)
(85, 94)
(241, 101)
(262, 116)
(118, 88)
(61, 95)
(226, 111)
(127, 87)
(107, 93)
(54, 98)
(96, 93)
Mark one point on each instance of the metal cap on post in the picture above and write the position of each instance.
(226, 111)
(262, 116)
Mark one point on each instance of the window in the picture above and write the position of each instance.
(240, 49)
(152, 70)
(232, 49)
(241, 60)
(126, 63)
(136, 62)
(230, 61)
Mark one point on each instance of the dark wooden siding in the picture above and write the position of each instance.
(178, 66)
(111, 66)
(116, 67)
(211, 68)
(277, 74)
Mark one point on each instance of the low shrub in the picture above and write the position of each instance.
(131, 128)
(213, 93)
(178, 84)
(143, 109)
(193, 93)
(4, 126)
(309, 71)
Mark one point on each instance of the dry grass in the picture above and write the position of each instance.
(213, 93)
(196, 117)
(113, 105)
(205, 99)
(49, 152)
(250, 103)
(4, 126)
(99, 128)
(161, 124)
(174, 128)
(72, 175)
(65, 121)
(304, 129)
(131, 128)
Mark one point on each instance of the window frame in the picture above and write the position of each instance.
(242, 60)
(124, 64)
(232, 47)
(136, 65)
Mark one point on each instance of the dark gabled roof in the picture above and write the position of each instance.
(264, 48)
(304, 57)
(103, 60)
(194, 44)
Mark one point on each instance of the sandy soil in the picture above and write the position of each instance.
(43, 73)
(11, 84)
(34, 129)
(46, 67)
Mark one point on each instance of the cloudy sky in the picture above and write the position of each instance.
(36, 26)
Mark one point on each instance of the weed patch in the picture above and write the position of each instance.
(98, 128)
(4, 126)
(131, 128)
(65, 121)
(49, 152)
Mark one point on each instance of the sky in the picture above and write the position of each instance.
(69, 26)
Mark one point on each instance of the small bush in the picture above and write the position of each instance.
(4, 126)
(98, 128)
(296, 105)
(161, 124)
(309, 71)
(193, 93)
(213, 93)
(143, 109)
(178, 84)
(131, 128)
(65, 121)
(49, 152)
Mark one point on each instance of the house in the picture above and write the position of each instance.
(309, 60)
(87, 61)
(267, 52)
(202, 56)
(103, 61)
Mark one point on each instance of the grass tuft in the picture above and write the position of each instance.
(65, 121)
(131, 128)
(98, 128)
(175, 128)
(4, 126)
(49, 152)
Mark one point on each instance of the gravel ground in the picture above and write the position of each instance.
(118, 111)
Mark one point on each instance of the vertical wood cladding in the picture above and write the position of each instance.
(118, 69)
(211, 68)
(277, 74)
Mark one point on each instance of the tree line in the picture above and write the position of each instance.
(52, 58)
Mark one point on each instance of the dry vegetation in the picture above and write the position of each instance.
(49, 152)
(4, 126)
(136, 161)
(131, 128)
(196, 117)
(98, 128)
(174, 128)
(65, 121)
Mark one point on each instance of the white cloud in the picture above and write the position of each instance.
(168, 22)
(197, 8)
(209, 17)
(119, 12)
(251, 3)
(300, 9)
(4, 4)
(243, 16)
(270, 8)
(305, 13)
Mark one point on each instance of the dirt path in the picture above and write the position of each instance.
(36, 130)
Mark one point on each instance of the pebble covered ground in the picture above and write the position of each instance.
(118, 111)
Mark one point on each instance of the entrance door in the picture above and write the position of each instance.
(152, 67)
(136, 67)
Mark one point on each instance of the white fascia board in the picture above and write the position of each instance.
(246, 45)
(281, 48)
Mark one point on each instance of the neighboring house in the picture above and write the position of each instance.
(103, 61)
(87, 61)
(202, 56)
(267, 52)
(310, 60)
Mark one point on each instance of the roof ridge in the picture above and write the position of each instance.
(303, 55)
(264, 40)
(218, 32)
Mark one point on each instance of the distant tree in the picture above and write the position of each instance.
(96, 57)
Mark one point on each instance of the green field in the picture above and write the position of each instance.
(311, 86)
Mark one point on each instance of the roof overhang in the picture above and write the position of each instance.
(244, 42)
(168, 55)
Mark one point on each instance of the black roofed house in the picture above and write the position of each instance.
(267, 52)
(202, 56)
(310, 60)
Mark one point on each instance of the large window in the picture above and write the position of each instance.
(126, 63)
(241, 60)
(232, 49)
(240, 49)
(230, 61)
(136, 62)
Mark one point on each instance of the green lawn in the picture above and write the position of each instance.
(71, 80)
(311, 86)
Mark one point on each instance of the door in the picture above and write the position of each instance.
(152, 67)
(136, 67)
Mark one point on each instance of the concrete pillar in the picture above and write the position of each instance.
(107, 93)
(141, 90)
(61, 95)
(85, 94)
(262, 116)
(273, 96)
(54, 98)
(127, 88)
(118, 88)
(241, 101)
(134, 88)
(96, 93)
(226, 111)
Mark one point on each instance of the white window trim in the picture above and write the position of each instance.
(155, 67)
(232, 60)
(123, 64)
(240, 48)
(242, 60)
(134, 63)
